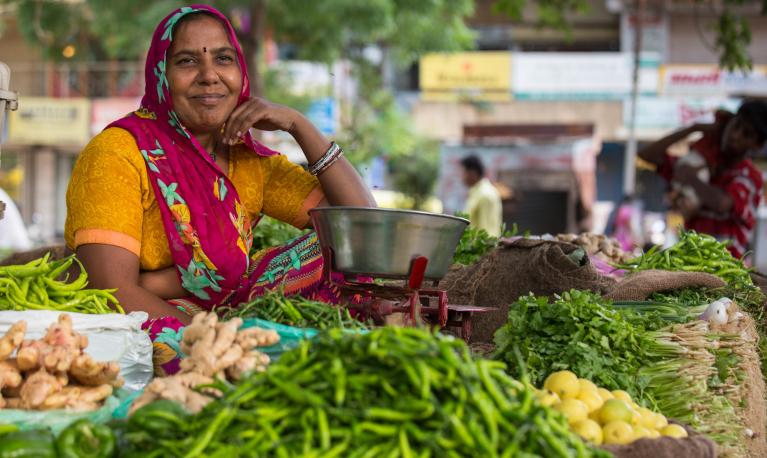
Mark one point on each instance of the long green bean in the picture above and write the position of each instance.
(294, 311)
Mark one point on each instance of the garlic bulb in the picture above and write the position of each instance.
(716, 313)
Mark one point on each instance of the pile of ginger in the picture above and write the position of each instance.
(214, 350)
(53, 372)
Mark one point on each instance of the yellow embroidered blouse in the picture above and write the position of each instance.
(111, 201)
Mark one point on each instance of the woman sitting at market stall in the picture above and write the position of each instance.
(162, 203)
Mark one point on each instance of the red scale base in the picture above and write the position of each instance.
(419, 304)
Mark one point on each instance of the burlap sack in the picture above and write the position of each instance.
(693, 446)
(514, 269)
(639, 286)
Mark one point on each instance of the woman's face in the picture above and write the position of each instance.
(203, 74)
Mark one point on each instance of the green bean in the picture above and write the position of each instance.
(294, 311)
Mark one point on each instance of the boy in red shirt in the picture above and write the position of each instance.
(729, 201)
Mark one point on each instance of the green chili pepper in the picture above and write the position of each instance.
(37, 443)
(158, 417)
(85, 439)
(8, 428)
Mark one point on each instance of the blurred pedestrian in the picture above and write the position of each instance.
(718, 192)
(626, 224)
(483, 203)
(13, 232)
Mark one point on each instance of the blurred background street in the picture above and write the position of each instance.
(555, 98)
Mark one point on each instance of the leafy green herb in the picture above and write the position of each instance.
(270, 232)
(476, 243)
(577, 331)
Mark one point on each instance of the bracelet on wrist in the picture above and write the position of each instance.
(330, 156)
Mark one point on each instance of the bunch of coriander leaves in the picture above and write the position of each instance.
(577, 331)
(476, 243)
(270, 232)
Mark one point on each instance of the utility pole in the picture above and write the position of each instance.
(629, 165)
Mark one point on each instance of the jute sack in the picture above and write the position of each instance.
(514, 269)
(640, 285)
(693, 446)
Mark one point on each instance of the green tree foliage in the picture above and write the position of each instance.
(324, 30)
(328, 29)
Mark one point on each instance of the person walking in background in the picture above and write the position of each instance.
(483, 203)
(626, 224)
(721, 193)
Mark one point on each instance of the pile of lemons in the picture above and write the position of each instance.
(601, 416)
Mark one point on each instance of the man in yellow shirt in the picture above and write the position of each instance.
(483, 203)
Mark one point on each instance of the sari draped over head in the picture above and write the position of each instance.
(208, 230)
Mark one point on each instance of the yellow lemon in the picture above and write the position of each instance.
(660, 421)
(586, 386)
(654, 434)
(615, 410)
(591, 399)
(547, 398)
(595, 416)
(647, 418)
(675, 431)
(573, 409)
(623, 396)
(617, 432)
(605, 394)
(563, 383)
(589, 430)
(636, 418)
(640, 432)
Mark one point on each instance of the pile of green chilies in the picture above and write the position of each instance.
(694, 253)
(295, 311)
(390, 392)
(35, 286)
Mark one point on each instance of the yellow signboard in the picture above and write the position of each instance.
(473, 75)
(49, 121)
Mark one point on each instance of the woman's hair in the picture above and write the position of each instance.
(473, 163)
(755, 112)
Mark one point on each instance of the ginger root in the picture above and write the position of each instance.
(179, 388)
(214, 350)
(12, 339)
(10, 377)
(40, 375)
(89, 372)
(253, 361)
(37, 388)
(54, 352)
(256, 337)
